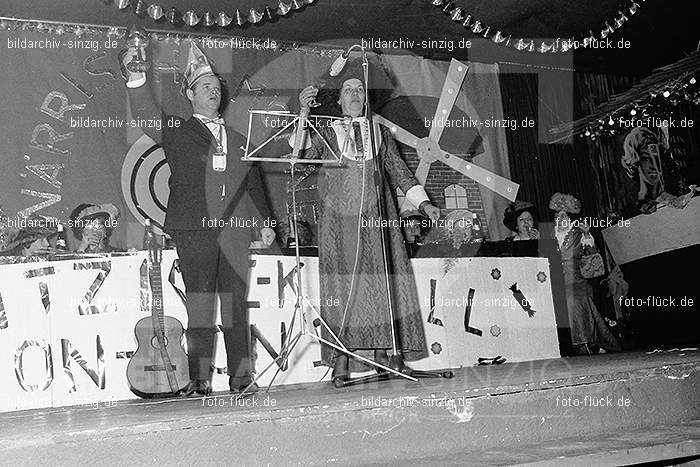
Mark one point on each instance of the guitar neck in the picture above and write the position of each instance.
(157, 293)
(158, 319)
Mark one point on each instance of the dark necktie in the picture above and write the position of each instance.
(359, 147)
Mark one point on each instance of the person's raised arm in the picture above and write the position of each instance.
(306, 96)
(142, 104)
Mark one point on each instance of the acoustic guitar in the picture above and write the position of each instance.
(159, 366)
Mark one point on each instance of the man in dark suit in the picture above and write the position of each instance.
(216, 203)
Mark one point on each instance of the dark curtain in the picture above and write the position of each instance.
(540, 168)
(551, 98)
(609, 180)
(589, 170)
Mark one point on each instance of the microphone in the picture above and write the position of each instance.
(340, 62)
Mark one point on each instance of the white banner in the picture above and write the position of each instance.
(67, 327)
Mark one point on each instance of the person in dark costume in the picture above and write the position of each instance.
(350, 258)
(209, 185)
(589, 331)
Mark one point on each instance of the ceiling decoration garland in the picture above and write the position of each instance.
(222, 19)
(459, 15)
(658, 108)
(663, 99)
(120, 33)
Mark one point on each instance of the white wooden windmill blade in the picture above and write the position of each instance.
(406, 137)
(501, 185)
(400, 134)
(428, 149)
(429, 152)
(450, 89)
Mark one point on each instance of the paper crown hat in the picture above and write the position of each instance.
(197, 67)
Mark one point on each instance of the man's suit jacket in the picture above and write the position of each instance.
(196, 199)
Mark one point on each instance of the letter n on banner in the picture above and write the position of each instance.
(98, 377)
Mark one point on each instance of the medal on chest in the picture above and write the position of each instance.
(219, 159)
(353, 139)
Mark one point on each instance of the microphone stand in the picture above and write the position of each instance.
(289, 343)
(396, 361)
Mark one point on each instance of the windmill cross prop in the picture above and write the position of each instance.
(429, 150)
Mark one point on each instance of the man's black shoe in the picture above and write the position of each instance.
(243, 391)
(198, 386)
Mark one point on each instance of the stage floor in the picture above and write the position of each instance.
(482, 409)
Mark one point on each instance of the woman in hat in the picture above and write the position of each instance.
(34, 240)
(519, 218)
(92, 226)
(589, 331)
(352, 280)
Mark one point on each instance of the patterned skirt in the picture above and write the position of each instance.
(353, 283)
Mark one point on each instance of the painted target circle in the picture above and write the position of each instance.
(145, 182)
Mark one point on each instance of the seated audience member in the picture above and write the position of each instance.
(414, 227)
(92, 226)
(263, 239)
(650, 166)
(31, 241)
(286, 235)
(519, 218)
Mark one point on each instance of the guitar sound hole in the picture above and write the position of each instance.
(154, 342)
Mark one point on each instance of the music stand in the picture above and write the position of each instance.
(290, 344)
